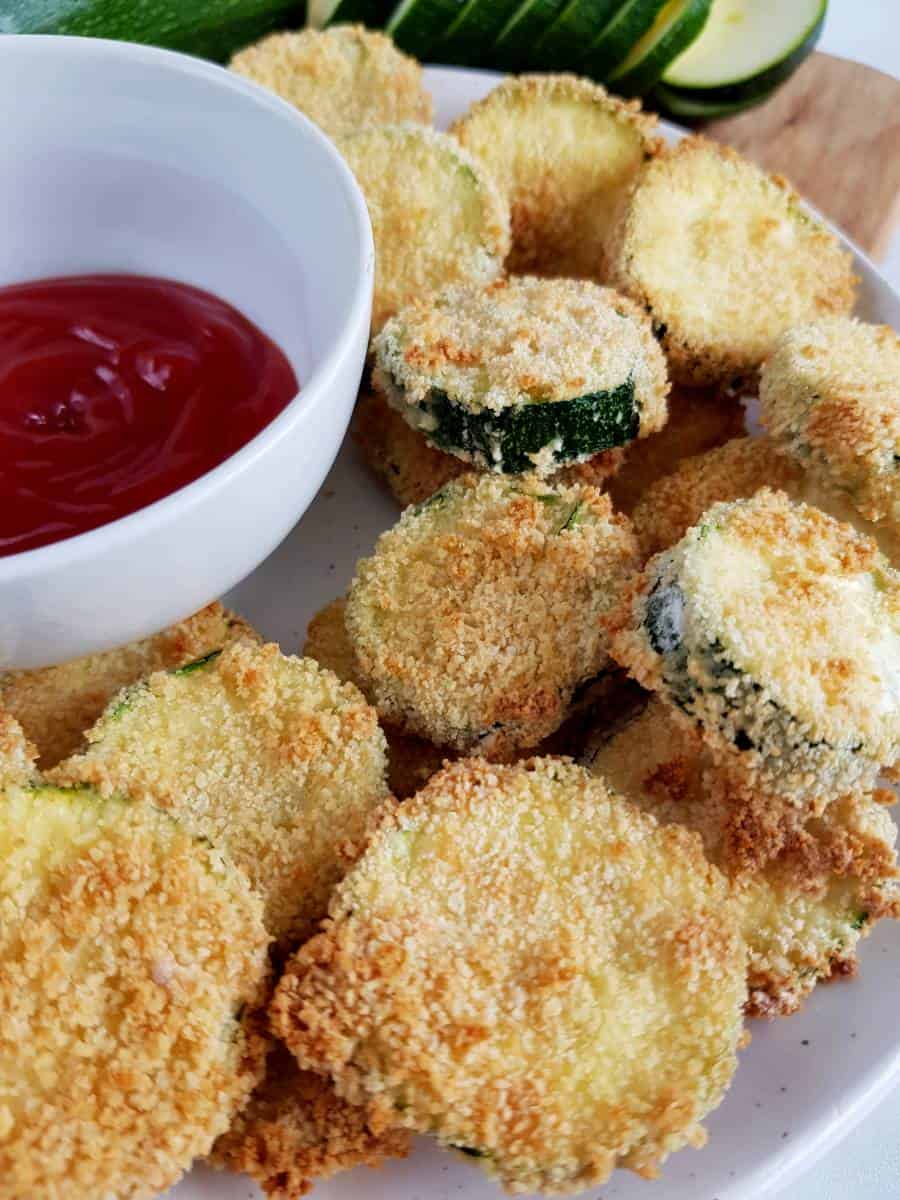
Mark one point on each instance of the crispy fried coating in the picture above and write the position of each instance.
(699, 420)
(437, 215)
(529, 968)
(776, 629)
(269, 757)
(413, 470)
(341, 78)
(479, 613)
(830, 396)
(296, 1131)
(806, 891)
(725, 258)
(129, 952)
(17, 754)
(57, 705)
(563, 150)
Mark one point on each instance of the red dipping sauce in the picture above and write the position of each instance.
(115, 391)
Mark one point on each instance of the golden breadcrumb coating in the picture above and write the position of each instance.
(413, 470)
(17, 754)
(532, 970)
(806, 891)
(130, 951)
(737, 471)
(830, 395)
(519, 341)
(563, 150)
(725, 258)
(479, 613)
(777, 630)
(57, 705)
(699, 419)
(274, 760)
(341, 77)
(296, 1131)
(437, 216)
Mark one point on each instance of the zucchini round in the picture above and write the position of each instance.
(563, 41)
(676, 26)
(688, 107)
(628, 25)
(527, 374)
(470, 37)
(747, 49)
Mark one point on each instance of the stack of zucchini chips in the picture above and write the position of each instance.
(583, 770)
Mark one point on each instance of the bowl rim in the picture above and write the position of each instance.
(314, 388)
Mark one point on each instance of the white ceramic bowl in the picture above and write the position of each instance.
(122, 158)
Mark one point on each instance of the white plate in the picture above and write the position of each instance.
(803, 1083)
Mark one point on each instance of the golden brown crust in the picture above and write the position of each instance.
(129, 951)
(17, 754)
(699, 420)
(724, 258)
(562, 149)
(454, 988)
(296, 1131)
(274, 760)
(807, 890)
(57, 705)
(341, 77)
(477, 616)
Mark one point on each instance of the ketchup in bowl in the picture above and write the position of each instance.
(116, 390)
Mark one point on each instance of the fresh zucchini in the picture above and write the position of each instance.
(514, 48)
(372, 13)
(746, 49)
(470, 37)
(688, 106)
(575, 26)
(416, 25)
(674, 30)
(462, 370)
(629, 23)
(212, 28)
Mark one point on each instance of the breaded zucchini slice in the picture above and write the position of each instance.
(699, 419)
(736, 471)
(563, 151)
(725, 258)
(296, 1131)
(17, 754)
(129, 950)
(479, 613)
(529, 968)
(57, 705)
(830, 395)
(526, 374)
(413, 470)
(437, 215)
(806, 891)
(777, 630)
(272, 759)
(341, 78)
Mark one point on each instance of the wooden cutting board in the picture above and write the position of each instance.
(834, 130)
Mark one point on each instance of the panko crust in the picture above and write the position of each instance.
(563, 149)
(830, 396)
(479, 613)
(296, 1131)
(269, 757)
(413, 470)
(699, 419)
(806, 890)
(341, 78)
(521, 340)
(57, 705)
(129, 952)
(456, 991)
(447, 223)
(787, 646)
(725, 258)
(17, 755)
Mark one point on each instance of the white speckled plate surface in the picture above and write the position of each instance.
(802, 1084)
